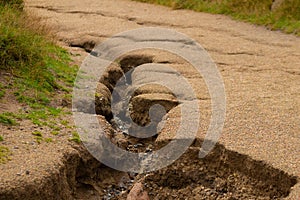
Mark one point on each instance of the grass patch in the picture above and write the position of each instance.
(4, 154)
(35, 62)
(37, 67)
(39, 116)
(55, 132)
(48, 140)
(285, 17)
(2, 91)
(37, 133)
(1, 139)
(6, 119)
(75, 137)
(64, 122)
(39, 137)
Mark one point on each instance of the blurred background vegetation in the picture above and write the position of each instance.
(274, 14)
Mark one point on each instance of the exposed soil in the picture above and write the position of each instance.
(223, 174)
(257, 156)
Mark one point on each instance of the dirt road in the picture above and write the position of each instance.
(260, 68)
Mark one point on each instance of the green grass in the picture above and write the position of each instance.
(39, 116)
(37, 133)
(75, 137)
(35, 62)
(64, 122)
(4, 154)
(39, 137)
(17, 4)
(48, 140)
(38, 69)
(1, 139)
(7, 119)
(55, 132)
(286, 17)
(2, 91)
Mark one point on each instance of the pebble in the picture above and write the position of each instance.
(138, 193)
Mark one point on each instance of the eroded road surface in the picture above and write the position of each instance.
(260, 69)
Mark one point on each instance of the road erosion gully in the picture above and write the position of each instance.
(260, 69)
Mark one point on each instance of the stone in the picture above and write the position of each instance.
(138, 193)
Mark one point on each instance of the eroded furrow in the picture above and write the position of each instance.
(223, 174)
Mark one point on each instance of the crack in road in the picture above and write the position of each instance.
(164, 24)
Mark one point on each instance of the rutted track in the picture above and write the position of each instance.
(223, 174)
(261, 73)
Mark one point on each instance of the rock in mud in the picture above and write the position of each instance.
(138, 193)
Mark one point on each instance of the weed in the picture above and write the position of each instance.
(64, 122)
(38, 116)
(2, 91)
(54, 111)
(48, 140)
(4, 154)
(54, 127)
(19, 4)
(39, 139)
(1, 138)
(75, 137)
(37, 133)
(37, 67)
(7, 120)
(38, 136)
(54, 132)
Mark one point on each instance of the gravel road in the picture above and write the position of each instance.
(260, 68)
